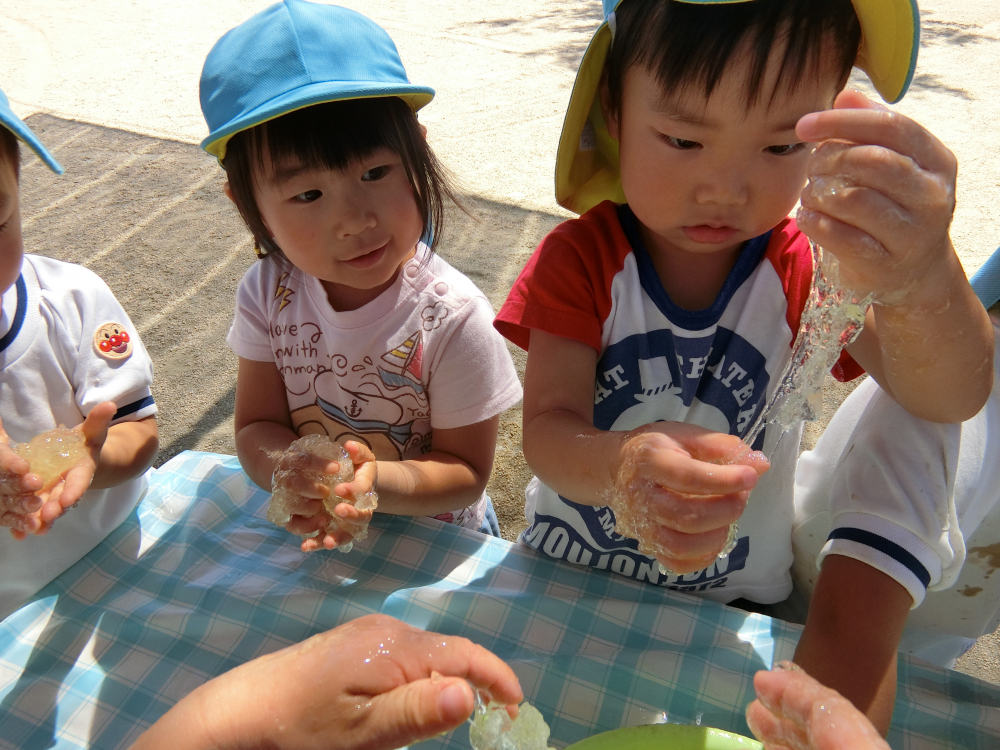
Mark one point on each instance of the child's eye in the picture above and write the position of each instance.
(308, 196)
(375, 173)
(679, 143)
(785, 149)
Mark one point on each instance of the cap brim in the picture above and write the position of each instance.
(587, 159)
(23, 133)
(986, 281)
(306, 96)
(890, 41)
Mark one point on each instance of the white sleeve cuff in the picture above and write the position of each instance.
(897, 552)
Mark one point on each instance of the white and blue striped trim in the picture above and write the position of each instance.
(887, 547)
(135, 410)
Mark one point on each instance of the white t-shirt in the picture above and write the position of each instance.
(52, 373)
(592, 280)
(917, 500)
(421, 356)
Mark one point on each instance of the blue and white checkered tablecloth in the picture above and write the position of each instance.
(197, 582)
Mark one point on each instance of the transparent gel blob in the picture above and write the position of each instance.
(285, 503)
(493, 729)
(51, 454)
(832, 319)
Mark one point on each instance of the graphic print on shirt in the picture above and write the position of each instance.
(718, 381)
(373, 403)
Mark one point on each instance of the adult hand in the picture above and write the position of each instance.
(794, 712)
(371, 684)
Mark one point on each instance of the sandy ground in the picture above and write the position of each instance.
(112, 87)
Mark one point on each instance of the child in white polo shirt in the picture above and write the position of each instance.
(69, 356)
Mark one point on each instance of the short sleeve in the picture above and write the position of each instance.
(565, 288)
(473, 377)
(101, 349)
(891, 492)
(249, 335)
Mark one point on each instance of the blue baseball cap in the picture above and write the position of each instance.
(293, 55)
(986, 281)
(23, 133)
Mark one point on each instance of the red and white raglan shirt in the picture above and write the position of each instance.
(66, 345)
(592, 280)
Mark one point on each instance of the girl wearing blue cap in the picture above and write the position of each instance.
(350, 326)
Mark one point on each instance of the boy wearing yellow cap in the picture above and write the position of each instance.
(660, 320)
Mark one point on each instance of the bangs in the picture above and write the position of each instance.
(335, 136)
(688, 44)
(332, 135)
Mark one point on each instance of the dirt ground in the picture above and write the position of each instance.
(112, 88)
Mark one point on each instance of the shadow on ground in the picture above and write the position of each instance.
(149, 216)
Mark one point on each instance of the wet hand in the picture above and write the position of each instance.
(35, 513)
(881, 197)
(372, 684)
(795, 712)
(683, 486)
(314, 516)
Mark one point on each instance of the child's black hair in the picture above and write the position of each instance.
(10, 150)
(692, 44)
(335, 135)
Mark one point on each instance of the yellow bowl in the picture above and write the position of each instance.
(667, 737)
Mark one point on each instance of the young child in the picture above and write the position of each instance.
(906, 531)
(669, 307)
(350, 326)
(54, 372)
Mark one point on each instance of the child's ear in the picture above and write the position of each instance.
(228, 191)
(423, 130)
(607, 111)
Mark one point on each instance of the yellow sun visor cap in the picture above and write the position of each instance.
(587, 159)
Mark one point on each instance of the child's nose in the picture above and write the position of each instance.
(723, 187)
(356, 216)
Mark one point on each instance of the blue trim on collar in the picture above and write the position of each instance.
(19, 312)
(693, 320)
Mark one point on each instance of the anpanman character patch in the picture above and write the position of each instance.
(112, 341)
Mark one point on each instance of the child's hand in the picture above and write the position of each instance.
(18, 501)
(690, 483)
(35, 513)
(313, 516)
(880, 197)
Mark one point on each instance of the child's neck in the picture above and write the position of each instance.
(691, 280)
(346, 298)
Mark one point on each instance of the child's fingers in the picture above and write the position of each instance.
(693, 514)
(879, 128)
(871, 212)
(301, 525)
(359, 452)
(305, 487)
(308, 462)
(835, 168)
(95, 426)
(21, 522)
(348, 512)
(699, 548)
(683, 474)
(771, 730)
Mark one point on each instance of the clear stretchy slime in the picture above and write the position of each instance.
(51, 454)
(285, 503)
(493, 729)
